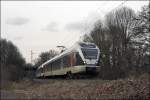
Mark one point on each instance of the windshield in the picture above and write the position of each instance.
(87, 45)
(90, 53)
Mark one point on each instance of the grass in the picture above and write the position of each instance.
(129, 88)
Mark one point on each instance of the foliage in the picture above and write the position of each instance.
(12, 62)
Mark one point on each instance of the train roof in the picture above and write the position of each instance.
(73, 48)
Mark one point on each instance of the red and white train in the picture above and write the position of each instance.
(81, 58)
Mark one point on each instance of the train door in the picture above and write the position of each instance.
(79, 60)
(72, 59)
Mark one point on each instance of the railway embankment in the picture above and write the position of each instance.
(128, 88)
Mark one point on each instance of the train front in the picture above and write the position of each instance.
(90, 53)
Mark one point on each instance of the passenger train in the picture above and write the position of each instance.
(81, 58)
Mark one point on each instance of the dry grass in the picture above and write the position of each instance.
(129, 88)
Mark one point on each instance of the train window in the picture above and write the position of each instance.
(56, 64)
(87, 45)
(47, 67)
(52, 65)
(65, 61)
(40, 70)
(79, 60)
(44, 68)
(90, 53)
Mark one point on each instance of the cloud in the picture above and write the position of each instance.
(84, 25)
(80, 26)
(77, 26)
(17, 21)
(52, 27)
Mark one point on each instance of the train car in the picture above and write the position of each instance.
(81, 58)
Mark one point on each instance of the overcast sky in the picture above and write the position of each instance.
(43, 25)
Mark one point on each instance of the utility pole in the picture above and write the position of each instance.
(31, 57)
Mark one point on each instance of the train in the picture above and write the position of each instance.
(82, 57)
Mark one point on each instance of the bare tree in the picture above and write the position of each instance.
(119, 23)
(141, 36)
(99, 35)
(123, 40)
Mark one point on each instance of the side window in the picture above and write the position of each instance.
(72, 59)
(65, 61)
(44, 68)
(52, 65)
(49, 66)
(56, 64)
